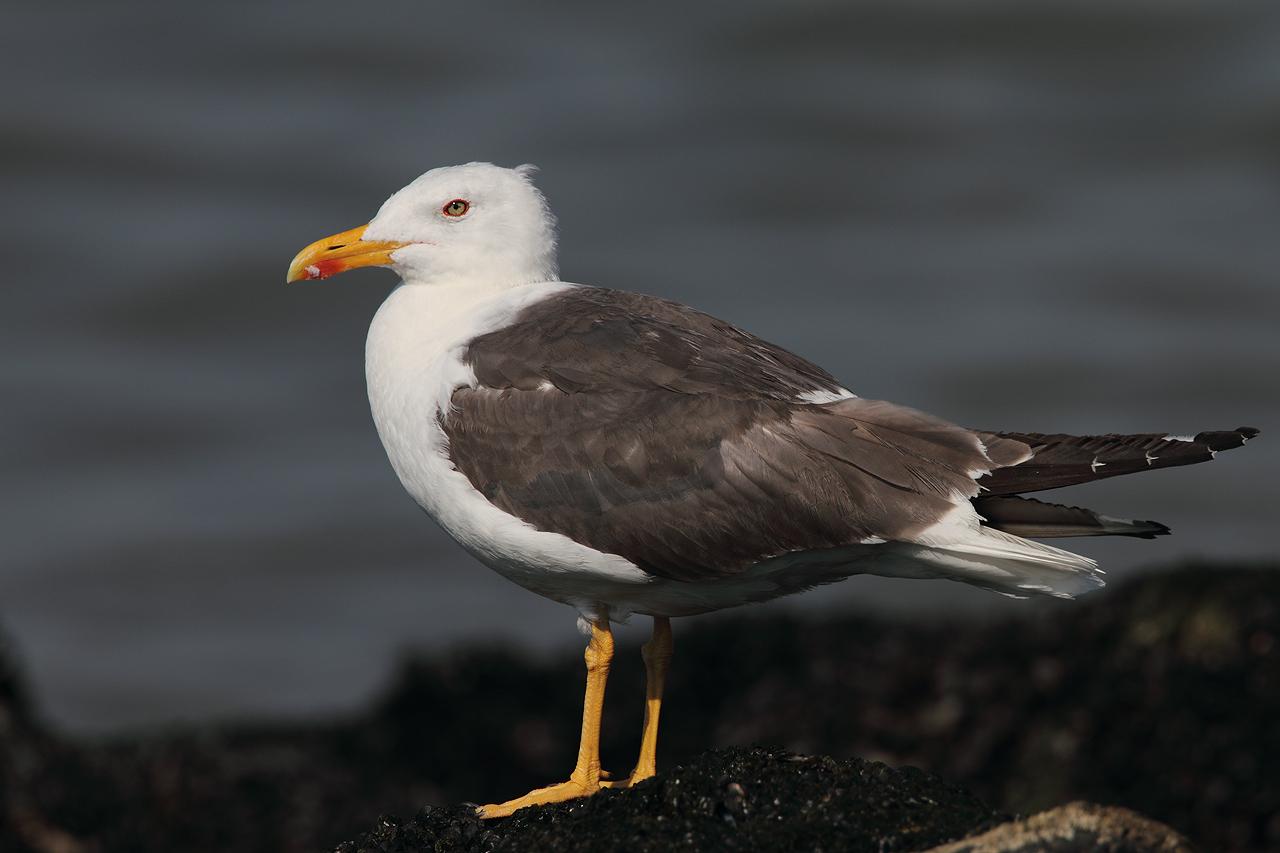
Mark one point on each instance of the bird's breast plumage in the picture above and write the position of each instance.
(413, 363)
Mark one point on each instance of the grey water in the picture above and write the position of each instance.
(1060, 217)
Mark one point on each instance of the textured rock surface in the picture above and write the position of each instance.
(1075, 826)
(768, 800)
(724, 800)
(1158, 695)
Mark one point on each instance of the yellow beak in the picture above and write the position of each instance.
(339, 253)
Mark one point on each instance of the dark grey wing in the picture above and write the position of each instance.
(593, 340)
(648, 430)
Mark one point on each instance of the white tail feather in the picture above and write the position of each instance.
(1010, 565)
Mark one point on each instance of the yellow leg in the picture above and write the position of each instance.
(585, 779)
(657, 660)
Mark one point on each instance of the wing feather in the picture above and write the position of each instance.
(646, 429)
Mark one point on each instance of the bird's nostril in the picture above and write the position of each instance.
(336, 246)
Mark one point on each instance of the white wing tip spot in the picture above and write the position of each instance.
(819, 396)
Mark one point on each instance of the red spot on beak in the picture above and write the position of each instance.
(324, 269)
(339, 253)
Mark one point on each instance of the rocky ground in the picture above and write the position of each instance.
(731, 800)
(1159, 695)
(767, 800)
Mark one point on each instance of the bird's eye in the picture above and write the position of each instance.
(457, 207)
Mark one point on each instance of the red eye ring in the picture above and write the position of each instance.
(457, 207)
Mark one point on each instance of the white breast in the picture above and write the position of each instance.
(413, 363)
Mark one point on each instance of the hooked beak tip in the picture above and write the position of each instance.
(339, 253)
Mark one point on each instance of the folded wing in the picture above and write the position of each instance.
(646, 429)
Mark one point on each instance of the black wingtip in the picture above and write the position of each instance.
(1227, 439)
(1153, 529)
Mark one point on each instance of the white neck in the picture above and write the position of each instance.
(435, 305)
(413, 355)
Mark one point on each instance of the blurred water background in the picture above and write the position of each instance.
(1060, 217)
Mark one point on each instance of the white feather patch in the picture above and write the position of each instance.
(821, 397)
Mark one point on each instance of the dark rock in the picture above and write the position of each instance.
(724, 800)
(1158, 695)
(769, 800)
(25, 752)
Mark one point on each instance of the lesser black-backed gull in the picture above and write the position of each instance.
(626, 454)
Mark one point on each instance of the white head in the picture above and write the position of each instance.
(477, 224)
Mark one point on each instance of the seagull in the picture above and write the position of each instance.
(624, 454)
